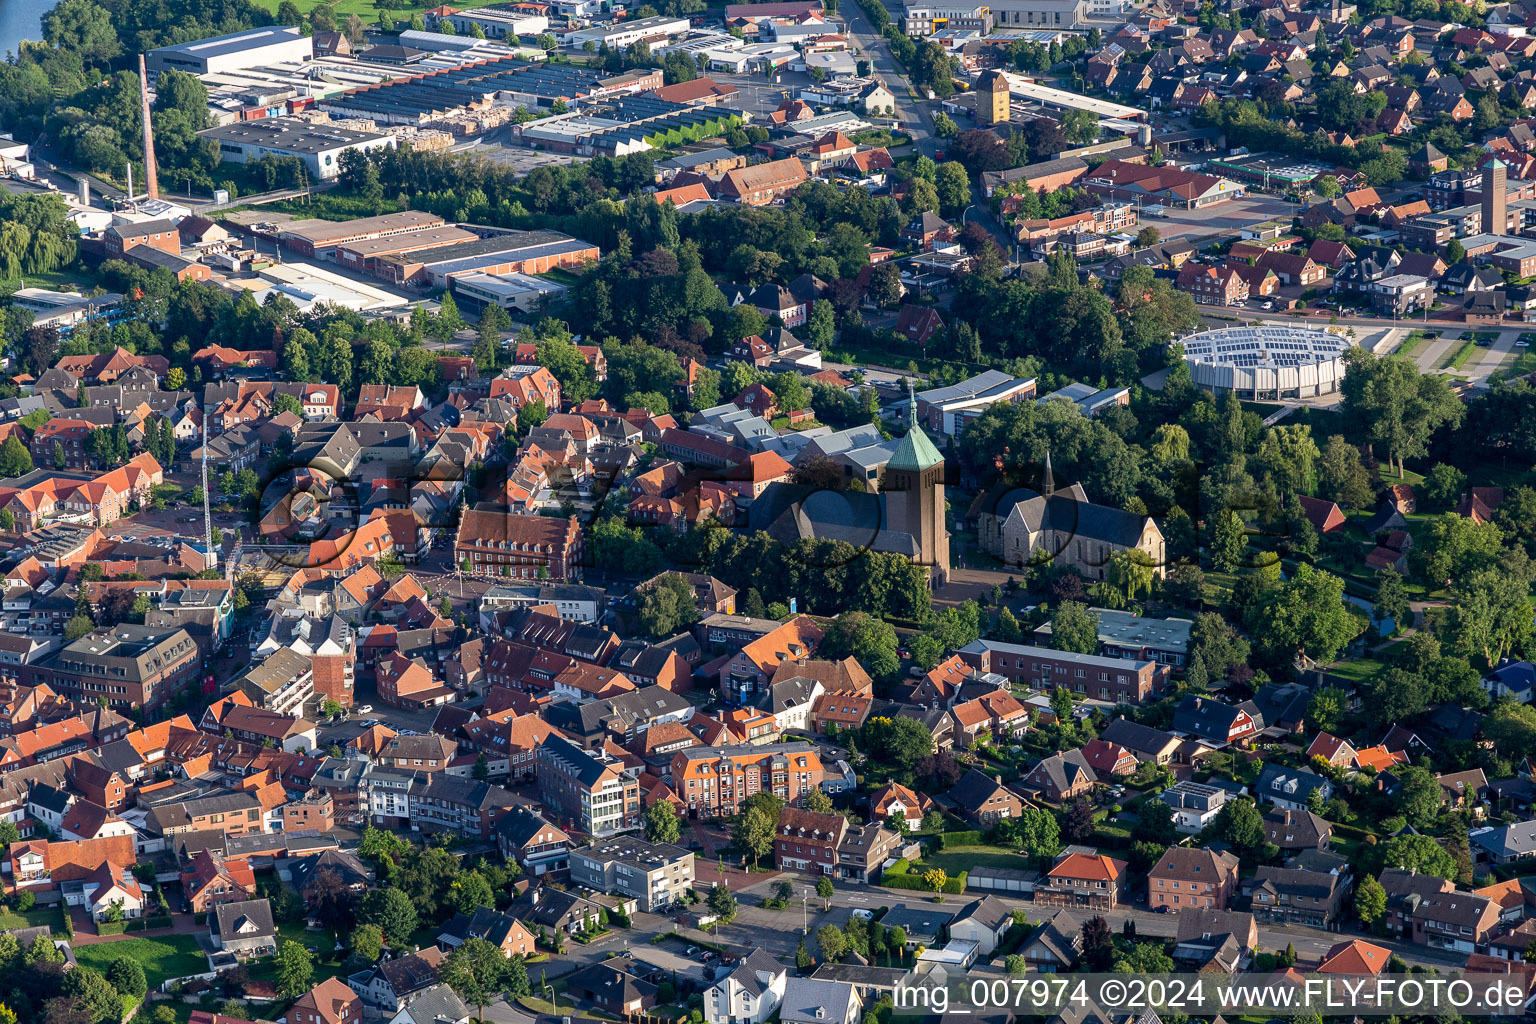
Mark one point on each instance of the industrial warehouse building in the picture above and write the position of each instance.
(512, 252)
(627, 33)
(319, 146)
(1267, 361)
(496, 22)
(320, 237)
(237, 51)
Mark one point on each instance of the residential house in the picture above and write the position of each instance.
(1187, 877)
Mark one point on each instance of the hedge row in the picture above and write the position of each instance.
(949, 839)
(954, 885)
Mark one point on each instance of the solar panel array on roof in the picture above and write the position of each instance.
(1264, 346)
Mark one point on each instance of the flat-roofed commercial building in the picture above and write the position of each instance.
(496, 22)
(362, 254)
(1113, 679)
(509, 291)
(129, 665)
(656, 874)
(515, 252)
(254, 48)
(319, 237)
(1053, 14)
(318, 146)
(627, 33)
(948, 410)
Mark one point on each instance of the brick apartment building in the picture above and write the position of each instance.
(519, 546)
(1115, 679)
(585, 789)
(714, 782)
(129, 665)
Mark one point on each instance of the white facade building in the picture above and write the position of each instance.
(257, 47)
(750, 994)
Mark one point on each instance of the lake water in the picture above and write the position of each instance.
(21, 19)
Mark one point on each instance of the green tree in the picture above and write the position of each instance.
(1228, 539)
(1396, 404)
(295, 970)
(470, 891)
(896, 743)
(832, 943)
(15, 460)
(99, 1001)
(83, 28)
(1392, 600)
(870, 641)
(475, 971)
(662, 825)
(1305, 615)
(721, 901)
(367, 942)
(1419, 853)
(390, 909)
(803, 961)
(1240, 824)
(824, 890)
(1075, 629)
(666, 606)
(754, 831)
(819, 326)
(127, 976)
(1370, 901)
(1133, 572)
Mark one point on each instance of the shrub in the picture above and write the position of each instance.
(948, 840)
(954, 886)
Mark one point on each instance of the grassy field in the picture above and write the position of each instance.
(963, 858)
(169, 956)
(367, 10)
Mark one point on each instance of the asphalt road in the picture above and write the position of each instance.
(915, 119)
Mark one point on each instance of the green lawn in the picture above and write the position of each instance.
(169, 956)
(10, 919)
(963, 858)
(329, 961)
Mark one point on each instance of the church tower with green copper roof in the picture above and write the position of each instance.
(914, 495)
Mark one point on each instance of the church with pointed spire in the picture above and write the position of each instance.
(906, 516)
(914, 495)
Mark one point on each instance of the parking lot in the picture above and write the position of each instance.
(669, 956)
(1229, 216)
(760, 96)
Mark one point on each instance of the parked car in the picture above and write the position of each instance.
(366, 709)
